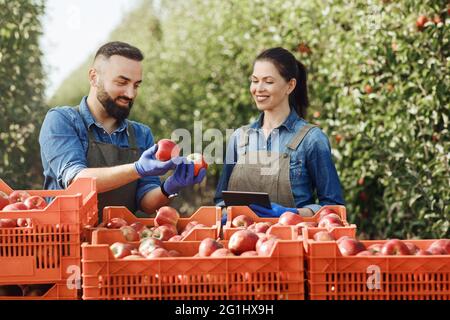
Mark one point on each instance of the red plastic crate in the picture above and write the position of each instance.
(332, 276)
(58, 291)
(234, 211)
(44, 252)
(279, 276)
(209, 216)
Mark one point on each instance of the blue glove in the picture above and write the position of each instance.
(276, 211)
(182, 177)
(147, 165)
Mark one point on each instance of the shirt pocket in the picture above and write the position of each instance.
(295, 170)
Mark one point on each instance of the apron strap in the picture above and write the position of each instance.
(131, 135)
(298, 138)
(243, 141)
(88, 130)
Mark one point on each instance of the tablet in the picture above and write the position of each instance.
(244, 198)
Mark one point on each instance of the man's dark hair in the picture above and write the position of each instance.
(121, 49)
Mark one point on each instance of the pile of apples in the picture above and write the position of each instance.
(328, 219)
(21, 200)
(349, 246)
(165, 229)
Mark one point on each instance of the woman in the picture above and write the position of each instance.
(281, 153)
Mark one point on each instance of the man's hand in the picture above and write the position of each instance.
(183, 177)
(276, 211)
(147, 165)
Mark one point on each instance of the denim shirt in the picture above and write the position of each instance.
(312, 170)
(64, 144)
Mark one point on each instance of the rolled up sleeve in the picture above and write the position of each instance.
(62, 147)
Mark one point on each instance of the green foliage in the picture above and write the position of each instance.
(21, 92)
(390, 141)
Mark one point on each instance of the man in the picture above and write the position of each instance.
(95, 139)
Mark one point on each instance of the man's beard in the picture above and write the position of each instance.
(117, 112)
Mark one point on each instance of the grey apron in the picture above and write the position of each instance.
(102, 154)
(266, 171)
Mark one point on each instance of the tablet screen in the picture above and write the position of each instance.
(244, 198)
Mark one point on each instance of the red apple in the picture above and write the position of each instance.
(412, 248)
(208, 246)
(146, 233)
(129, 233)
(18, 196)
(325, 211)
(443, 243)
(252, 253)
(364, 253)
(166, 215)
(375, 249)
(350, 247)
(174, 253)
(158, 253)
(8, 223)
(290, 219)
(147, 245)
(241, 241)
(116, 223)
(120, 250)
(190, 225)
(17, 206)
(437, 250)
(222, 252)
(242, 221)
(4, 200)
(35, 203)
(323, 236)
(420, 22)
(176, 238)
(343, 238)
(266, 246)
(262, 227)
(24, 222)
(167, 149)
(199, 162)
(329, 219)
(395, 247)
(138, 226)
(164, 232)
(422, 252)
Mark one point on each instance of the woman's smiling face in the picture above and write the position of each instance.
(268, 88)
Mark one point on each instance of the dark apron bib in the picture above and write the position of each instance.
(102, 154)
(263, 171)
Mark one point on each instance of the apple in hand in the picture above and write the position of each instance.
(242, 240)
(199, 162)
(166, 215)
(395, 247)
(242, 221)
(208, 246)
(17, 206)
(18, 196)
(167, 149)
(35, 203)
(4, 200)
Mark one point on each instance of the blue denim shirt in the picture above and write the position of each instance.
(64, 144)
(312, 170)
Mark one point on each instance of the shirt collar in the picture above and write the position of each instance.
(89, 119)
(289, 123)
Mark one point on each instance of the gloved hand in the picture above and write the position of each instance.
(147, 165)
(276, 211)
(183, 177)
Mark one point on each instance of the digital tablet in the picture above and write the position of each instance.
(244, 198)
